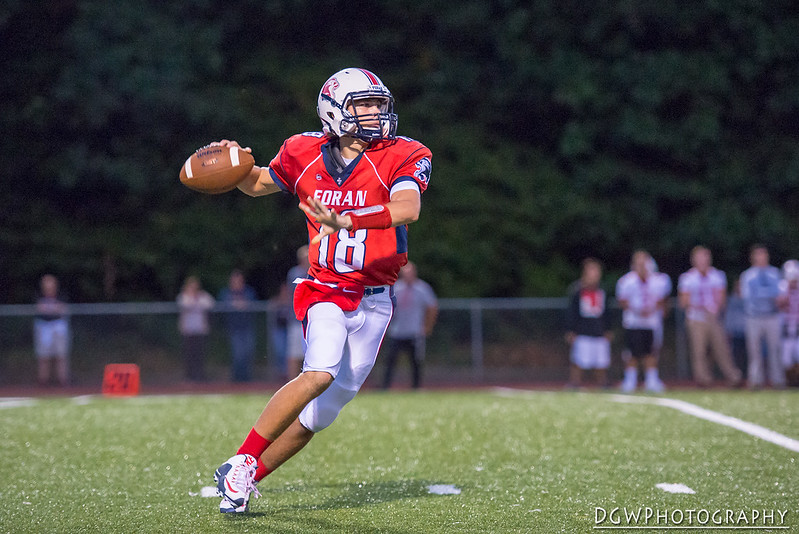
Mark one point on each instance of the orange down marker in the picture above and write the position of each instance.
(121, 379)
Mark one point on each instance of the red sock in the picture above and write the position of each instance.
(254, 445)
(262, 471)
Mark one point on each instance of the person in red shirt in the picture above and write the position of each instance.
(359, 185)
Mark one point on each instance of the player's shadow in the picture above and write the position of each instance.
(249, 516)
(289, 517)
(356, 495)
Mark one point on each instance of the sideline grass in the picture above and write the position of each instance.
(539, 462)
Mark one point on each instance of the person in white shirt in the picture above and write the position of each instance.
(52, 332)
(789, 305)
(194, 304)
(760, 289)
(415, 314)
(642, 295)
(703, 294)
(295, 335)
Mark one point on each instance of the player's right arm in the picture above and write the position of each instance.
(259, 181)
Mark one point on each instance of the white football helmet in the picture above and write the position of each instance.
(790, 270)
(340, 91)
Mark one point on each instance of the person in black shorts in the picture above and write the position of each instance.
(642, 294)
(639, 341)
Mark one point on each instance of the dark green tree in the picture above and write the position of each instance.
(559, 130)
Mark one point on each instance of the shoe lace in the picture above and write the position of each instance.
(251, 487)
(247, 485)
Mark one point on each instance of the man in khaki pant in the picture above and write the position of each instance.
(703, 293)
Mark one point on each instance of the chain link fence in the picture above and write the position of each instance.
(475, 342)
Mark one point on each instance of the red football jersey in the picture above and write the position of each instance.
(371, 257)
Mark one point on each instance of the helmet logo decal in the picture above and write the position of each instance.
(330, 86)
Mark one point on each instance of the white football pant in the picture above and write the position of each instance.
(344, 344)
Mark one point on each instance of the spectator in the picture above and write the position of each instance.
(588, 326)
(657, 333)
(760, 290)
(642, 294)
(237, 299)
(295, 337)
(703, 294)
(51, 332)
(280, 313)
(194, 304)
(789, 304)
(415, 314)
(735, 326)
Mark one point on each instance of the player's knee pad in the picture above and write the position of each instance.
(323, 410)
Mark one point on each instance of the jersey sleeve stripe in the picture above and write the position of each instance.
(402, 239)
(278, 180)
(404, 183)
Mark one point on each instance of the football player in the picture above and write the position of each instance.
(359, 185)
(642, 294)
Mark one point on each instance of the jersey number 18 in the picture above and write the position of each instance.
(349, 252)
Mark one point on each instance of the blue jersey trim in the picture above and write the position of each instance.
(402, 239)
(332, 168)
(275, 178)
(403, 179)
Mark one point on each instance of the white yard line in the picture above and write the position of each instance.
(443, 489)
(674, 488)
(752, 429)
(715, 417)
(16, 402)
(83, 400)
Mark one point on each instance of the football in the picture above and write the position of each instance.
(216, 169)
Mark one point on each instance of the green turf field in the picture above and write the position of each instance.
(531, 462)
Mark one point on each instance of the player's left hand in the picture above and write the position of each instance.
(331, 220)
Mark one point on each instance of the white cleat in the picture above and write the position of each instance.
(235, 481)
(227, 507)
(655, 386)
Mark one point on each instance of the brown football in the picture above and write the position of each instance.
(216, 169)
